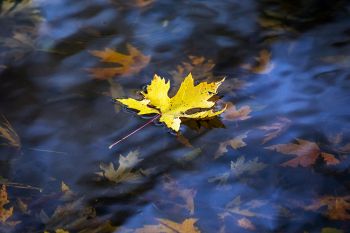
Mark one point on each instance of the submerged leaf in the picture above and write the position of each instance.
(168, 226)
(8, 133)
(188, 98)
(235, 143)
(129, 64)
(4, 212)
(338, 207)
(234, 114)
(275, 129)
(263, 63)
(240, 166)
(306, 153)
(124, 171)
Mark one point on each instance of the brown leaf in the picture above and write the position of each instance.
(263, 63)
(168, 226)
(306, 153)
(8, 133)
(4, 212)
(337, 207)
(235, 143)
(234, 114)
(275, 129)
(246, 224)
(187, 195)
(129, 64)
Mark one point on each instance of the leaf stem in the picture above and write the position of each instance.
(135, 131)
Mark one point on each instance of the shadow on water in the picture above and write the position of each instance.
(286, 65)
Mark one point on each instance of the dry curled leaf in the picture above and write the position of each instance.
(275, 129)
(8, 133)
(263, 63)
(235, 143)
(190, 101)
(168, 226)
(337, 207)
(124, 171)
(5, 213)
(234, 114)
(128, 64)
(306, 153)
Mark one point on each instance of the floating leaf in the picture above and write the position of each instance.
(275, 129)
(188, 98)
(9, 134)
(129, 64)
(306, 153)
(124, 171)
(337, 207)
(168, 226)
(234, 114)
(4, 212)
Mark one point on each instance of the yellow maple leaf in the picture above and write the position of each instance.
(171, 109)
(129, 64)
(4, 213)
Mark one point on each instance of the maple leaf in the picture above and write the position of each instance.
(199, 66)
(306, 153)
(263, 64)
(4, 213)
(188, 98)
(246, 224)
(187, 195)
(338, 207)
(234, 114)
(129, 64)
(275, 129)
(235, 143)
(240, 166)
(168, 226)
(124, 172)
(8, 133)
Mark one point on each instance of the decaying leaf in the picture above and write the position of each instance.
(338, 208)
(235, 143)
(198, 66)
(58, 231)
(234, 114)
(124, 171)
(306, 153)
(263, 63)
(5, 213)
(188, 98)
(246, 224)
(237, 169)
(240, 166)
(247, 209)
(129, 64)
(8, 133)
(168, 226)
(275, 129)
(187, 195)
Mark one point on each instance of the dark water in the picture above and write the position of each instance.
(66, 120)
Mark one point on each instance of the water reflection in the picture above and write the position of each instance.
(282, 59)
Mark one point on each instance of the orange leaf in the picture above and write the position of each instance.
(168, 226)
(129, 64)
(246, 224)
(337, 207)
(4, 213)
(275, 129)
